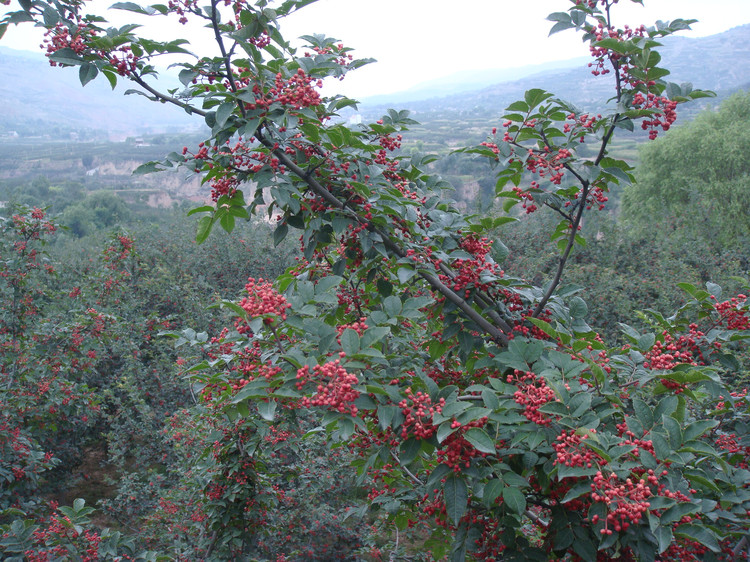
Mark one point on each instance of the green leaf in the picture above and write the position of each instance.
(664, 536)
(559, 16)
(386, 413)
(576, 491)
(280, 233)
(673, 430)
(677, 512)
(578, 308)
(518, 106)
(147, 168)
(480, 440)
(456, 498)
(698, 428)
(111, 77)
(405, 273)
(374, 335)
(392, 306)
(227, 222)
(131, 7)
(187, 76)
(409, 450)
(514, 499)
(205, 224)
(223, 113)
(203, 209)
(385, 288)
(699, 534)
(535, 96)
(350, 342)
(492, 491)
(66, 55)
(643, 413)
(561, 26)
(584, 548)
(87, 73)
(267, 410)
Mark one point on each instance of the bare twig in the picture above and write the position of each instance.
(408, 472)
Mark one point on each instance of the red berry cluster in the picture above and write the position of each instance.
(626, 501)
(244, 159)
(60, 37)
(77, 38)
(456, 452)
(571, 451)
(665, 112)
(548, 163)
(119, 250)
(263, 300)
(602, 54)
(631, 439)
(662, 109)
(181, 8)
(298, 91)
(734, 313)
(335, 390)
(360, 326)
(468, 273)
(262, 40)
(672, 351)
(527, 197)
(342, 59)
(58, 539)
(418, 410)
(532, 393)
(32, 227)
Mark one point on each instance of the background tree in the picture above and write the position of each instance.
(694, 183)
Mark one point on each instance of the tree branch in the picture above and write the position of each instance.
(167, 99)
(485, 325)
(566, 254)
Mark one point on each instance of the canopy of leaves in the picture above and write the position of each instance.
(696, 180)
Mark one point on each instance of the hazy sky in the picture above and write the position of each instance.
(418, 40)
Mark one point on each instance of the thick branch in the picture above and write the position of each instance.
(167, 99)
(606, 139)
(408, 472)
(566, 254)
(485, 325)
(227, 59)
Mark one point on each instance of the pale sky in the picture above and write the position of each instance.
(419, 40)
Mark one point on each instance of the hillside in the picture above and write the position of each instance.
(39, 100)
(718, 62)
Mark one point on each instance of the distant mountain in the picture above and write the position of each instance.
(39, 100)
(468, 80)
(718, 62)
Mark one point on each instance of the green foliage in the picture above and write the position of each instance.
(697, 180)
(98, 211)
(481, 415)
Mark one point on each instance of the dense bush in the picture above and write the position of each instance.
(703, 197)
(481, 414)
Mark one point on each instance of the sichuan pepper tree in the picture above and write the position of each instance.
(483, 410)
